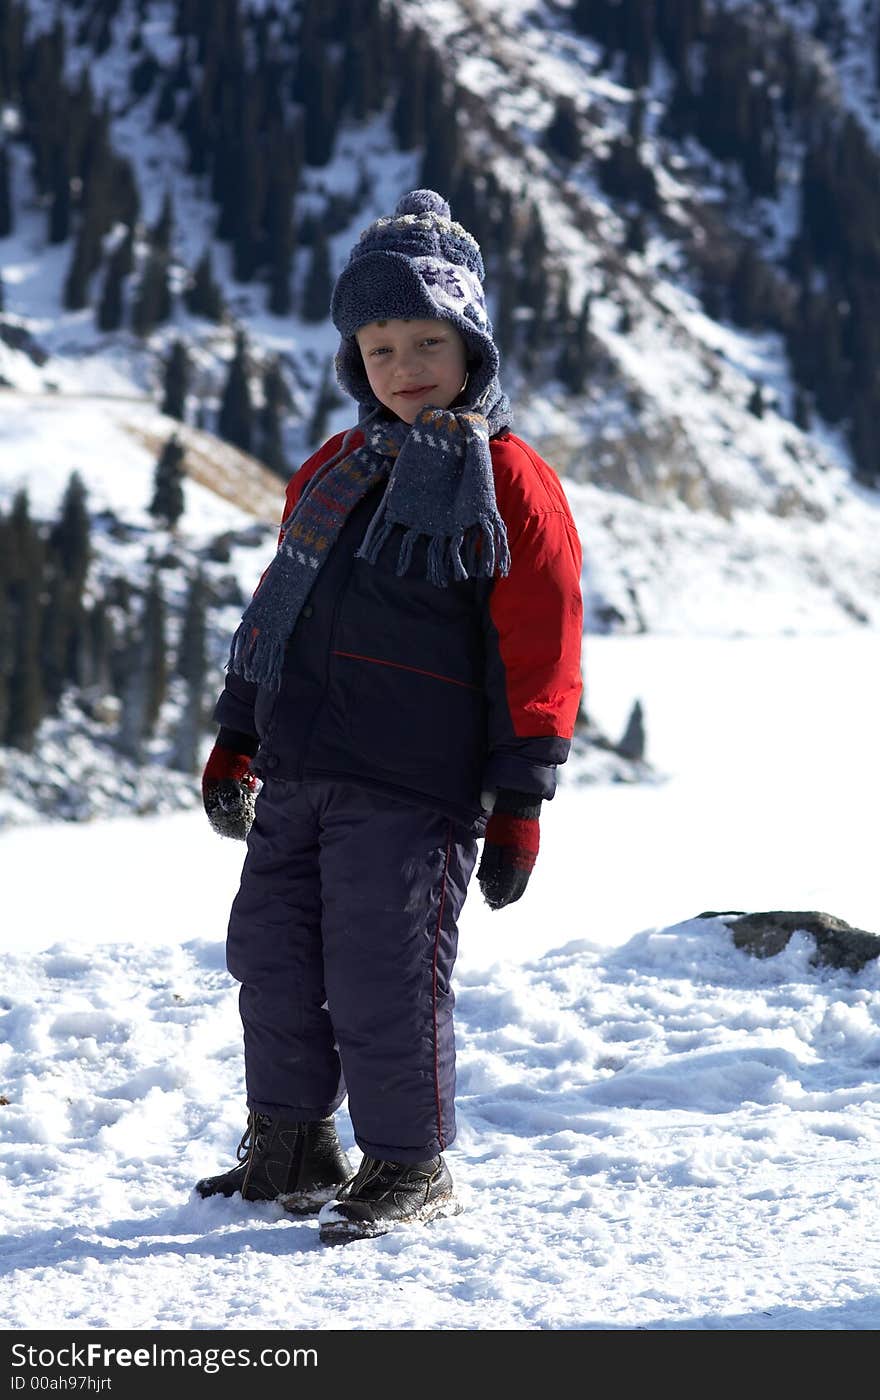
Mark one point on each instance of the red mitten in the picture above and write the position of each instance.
(510, 848)
(229, 788)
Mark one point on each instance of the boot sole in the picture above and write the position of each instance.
(310, 1202)
(342, 1231)
(294, 1202)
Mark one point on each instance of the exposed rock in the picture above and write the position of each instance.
(18, 337)
(594, 758)
(838, 944)
(632, 743)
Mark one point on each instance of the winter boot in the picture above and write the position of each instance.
(299, 1165)
(385, 1195)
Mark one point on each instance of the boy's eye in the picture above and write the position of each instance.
(432, 340)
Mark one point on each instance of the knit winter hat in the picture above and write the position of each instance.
(417, 264)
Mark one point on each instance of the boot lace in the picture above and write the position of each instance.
(369, 1168)
(377, 1174)
(252, 1136)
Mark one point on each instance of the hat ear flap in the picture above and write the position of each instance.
(351, 372)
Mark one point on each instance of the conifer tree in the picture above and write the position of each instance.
(6, 644)
(124, 249)
(235, 421)
(25, 564)
(166, 103)
(635, 233)
(532, 284)
(12, 49)
(190, 661)
(162, 232)
(70, 537)
(26, 697)
(279, 234)
(801, 413)
(111, 305)
(154, 649)
(246, 198)
(195, 128)
(56, 632)
(100, 647)
(176, 382)
(275, 401)
(317, 88)
(361, 79)
(504, 322)
(6, 629)
(103, 32)
(152, 303)
(6, 215)
(327, 399)
(578, 353)
(131, 683)
(749, 298)
(59, 208)
(192, 666)
(442, 142)
(86, 257)
(167, 504)
(41, 74)
(637, 39)
(203, 298)
(678, 25)
(864, 437)
(625, 175)
(408, 117)
(318, 285)
(144, 74)
(563, 136)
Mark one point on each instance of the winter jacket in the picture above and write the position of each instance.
(431, 694)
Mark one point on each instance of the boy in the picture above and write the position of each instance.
(405, 680)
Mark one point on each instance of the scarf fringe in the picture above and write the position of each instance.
(377, 535)
(256, 656)
(480, 551)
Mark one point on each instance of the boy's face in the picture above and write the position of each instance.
(411, 364)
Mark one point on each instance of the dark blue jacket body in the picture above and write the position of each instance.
(431, 694)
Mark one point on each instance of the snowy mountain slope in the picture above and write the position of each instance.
(697, 516)
(46, 436)
(668, 423)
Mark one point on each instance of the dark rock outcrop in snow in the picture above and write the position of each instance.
(763, 935)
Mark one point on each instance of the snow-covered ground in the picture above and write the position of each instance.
(656, 1131)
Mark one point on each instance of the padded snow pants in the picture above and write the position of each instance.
(343, 935)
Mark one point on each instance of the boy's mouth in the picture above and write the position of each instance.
(412, 393)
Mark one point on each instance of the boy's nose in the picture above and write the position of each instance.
(408, 358)
(409, 367)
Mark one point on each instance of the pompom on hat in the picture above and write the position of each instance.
(417, 264)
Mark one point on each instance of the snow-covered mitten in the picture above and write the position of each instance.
(229, 788)
(510, 847)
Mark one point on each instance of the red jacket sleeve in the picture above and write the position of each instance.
(534, 626)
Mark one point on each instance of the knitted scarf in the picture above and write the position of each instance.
(440, 488)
